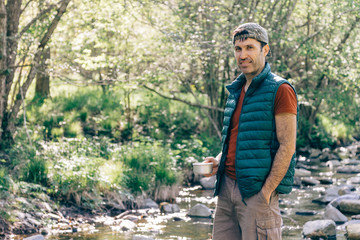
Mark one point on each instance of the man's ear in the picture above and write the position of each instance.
(266, 49)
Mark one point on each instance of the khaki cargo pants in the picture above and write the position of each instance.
(257, 220)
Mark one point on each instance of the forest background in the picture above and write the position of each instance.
(104, 99)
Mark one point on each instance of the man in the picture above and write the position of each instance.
(258, 144)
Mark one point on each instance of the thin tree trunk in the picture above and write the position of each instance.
(3, 65)
(42, 88)
(35, 63)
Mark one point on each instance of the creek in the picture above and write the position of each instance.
(297, 208)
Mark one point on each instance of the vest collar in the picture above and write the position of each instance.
(236, 85)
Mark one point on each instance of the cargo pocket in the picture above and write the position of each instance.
(268, 229)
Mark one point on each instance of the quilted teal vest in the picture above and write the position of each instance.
(256, 144)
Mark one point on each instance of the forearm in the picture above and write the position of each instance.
(279, 168)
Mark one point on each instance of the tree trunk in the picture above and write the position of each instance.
(3, 65)
(42, 89)
(9, 114)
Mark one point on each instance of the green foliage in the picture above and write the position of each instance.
(160, 119)
(5, 180)
(149, 165)
(83, 112)
(35, 171)
(75, 172)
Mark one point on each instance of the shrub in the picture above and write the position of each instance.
(149, 166)
(5, 180)
(35, 171)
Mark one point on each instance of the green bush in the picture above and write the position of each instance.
(149, 165)
(5, 180)
(163, 120)
(35, 171)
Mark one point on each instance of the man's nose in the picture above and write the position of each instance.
(243, 55)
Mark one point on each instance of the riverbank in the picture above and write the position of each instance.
(326, 195)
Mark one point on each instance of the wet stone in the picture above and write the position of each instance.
(333, 163)
(353, 231)
(352, 162)
(328, 156)
(334, 214)
(140, 237)
(302, 172)
(36, 237)
(177, 219)
(34, 222)
(315, 153)
(354, 180)
(310, 182)
(20, 215)
(319, 228)
(149, 203)
(200, 210)
(39, 215)
(344, 191)
(208, 182)
(53, 216)
(127, 225)
(44, 231)
(335, 202)
(297, 182)
(169, 208)
(348, 170)
(350, 206)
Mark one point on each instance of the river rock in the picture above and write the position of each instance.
(334, 214)
(149, 203)
(127, 225)
(330, 195)
(140, 237)
(36, 237)
(326, 181)
(328, 156)
(354, 180)
(33, 222)
(177, 219)
(352, 162)
(333, 163)
(169, 208)
(200, 210)
(319, 228)
(44, 231)
(349, 206)
(23, 228)
(302, 172)
(353, 231)
(20, 215)
(310, 181)
(297, 181)
(315, 153)
(335, 202)
(348, 170)
(208, 182)
(343, 152)
(43, 206)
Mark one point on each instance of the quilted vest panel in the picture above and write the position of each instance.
(256, 141)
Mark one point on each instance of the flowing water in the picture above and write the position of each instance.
(178, 226)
